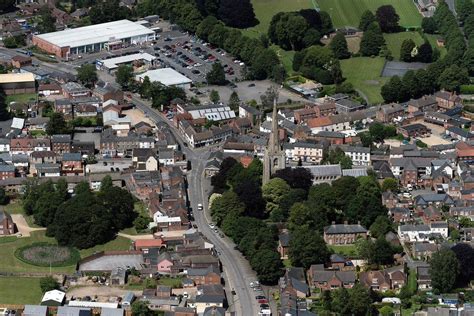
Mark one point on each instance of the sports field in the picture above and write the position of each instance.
(266, 9)
(348, 12)
(365, 75)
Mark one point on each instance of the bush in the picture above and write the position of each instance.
(467, 89)
(421, 144)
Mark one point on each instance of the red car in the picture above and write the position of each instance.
(262, 301)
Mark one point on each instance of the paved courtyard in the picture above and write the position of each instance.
(399, 68)
(108, 263)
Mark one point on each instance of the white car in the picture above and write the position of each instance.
(200, 208)
(211, 225)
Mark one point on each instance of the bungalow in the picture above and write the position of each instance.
(323, 279)
(413, 130)
(459, 133)
(343, 234)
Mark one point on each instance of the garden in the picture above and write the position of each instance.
(45, 255)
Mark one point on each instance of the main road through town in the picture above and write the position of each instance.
(236, 267)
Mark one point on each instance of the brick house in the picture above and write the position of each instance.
(325, 109)
(145, 183)
(389, 199)
(209, 275)
(423, 104)
(376, 280)
(283, 244)
(72, 164)
(343, 234)
(7, 171)
(164, 263)
(323, 279)
(302, 115)
(146, 244)
(294, 282)
(21, 61)
(447, 100)
(7, 226)
(413, 130)
(61, 143)
(389, 112)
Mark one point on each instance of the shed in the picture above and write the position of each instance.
(53, 298)
(128, 299)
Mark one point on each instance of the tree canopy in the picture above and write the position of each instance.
(387, 18)
(237, 13)
(339, 46)
(87, 74)
(216, 75)
(444, 269)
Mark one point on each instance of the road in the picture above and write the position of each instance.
(236, 268)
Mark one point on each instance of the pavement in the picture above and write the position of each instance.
(23, 228)
(237, 271)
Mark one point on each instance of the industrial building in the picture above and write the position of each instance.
(93, 38)
(17, 83)
(167, 76)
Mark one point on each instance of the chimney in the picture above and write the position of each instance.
(358, 222)
(333, 223)
(345, 222)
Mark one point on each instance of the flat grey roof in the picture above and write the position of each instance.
(98, 33)
(113, 63)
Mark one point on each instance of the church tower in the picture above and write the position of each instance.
(274, 158)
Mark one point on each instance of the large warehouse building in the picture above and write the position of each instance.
(93, 38)
(167, 76)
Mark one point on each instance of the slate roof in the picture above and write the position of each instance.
(344, 229)
(284, 239)
(325, 170)
(72, 157)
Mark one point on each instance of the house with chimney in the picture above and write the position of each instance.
(324, 279)
(344, 234)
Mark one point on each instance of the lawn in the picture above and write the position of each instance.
(346, 250)
(286, 57)
(16, 290)
(348, 12)
(15, 207)
(432, 39)
(394, 41)
(172, 282)
(20, 98)
(266, 9)
(364, 74)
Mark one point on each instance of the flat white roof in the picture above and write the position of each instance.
(115, 62)
(17, 77)
(92, 304)
(54, 295)
(167, 76)
(98, 33)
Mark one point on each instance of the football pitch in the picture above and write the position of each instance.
(348, 12)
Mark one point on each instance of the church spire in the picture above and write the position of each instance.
(274, 142)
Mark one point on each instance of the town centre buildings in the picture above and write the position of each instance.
(93, 38)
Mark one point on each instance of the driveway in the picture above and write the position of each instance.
(23, 228)
(136, 237)
(103, 292)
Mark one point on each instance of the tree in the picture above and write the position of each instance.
(391, 90)
(387, 18)
(7, 5)
(366, 19)
(390, 184)
(273, 192)
(216, 75)
(340, 301)
(444, 269)
(268, 265)
(214, 96)
(406, 50)
(429, 25)
(465, 255)
(145, 88)
(234, 101)
(124, 75)
(372, 40)
(337, 156)
(141, 223)
(107, 11)
(288, 30)
(380, 226)
(425, 53)
(10, 42)
(237, 13)
(120, 204)
(386, 311)
(453, 77)
(140, 308)
(57, 124)
(47, 23)
(3, 197)
(360, 300)
(48, 284)
(338, 46)
(87, 74)
(263, 64)
(297, 178)
(105, 184)
(307, 247)
(228, 203)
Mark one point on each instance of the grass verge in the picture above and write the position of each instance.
(15, 290)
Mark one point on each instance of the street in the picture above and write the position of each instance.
(236, 267)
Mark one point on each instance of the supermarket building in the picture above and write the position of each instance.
(93, 38)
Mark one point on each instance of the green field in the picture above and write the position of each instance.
(394, 41)
(20, 98)
(16, 290)
(266, 9)
(432, 39)
(364, 74)
(346, 250)
(286, 57)
(348, 12)
(9, 263)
